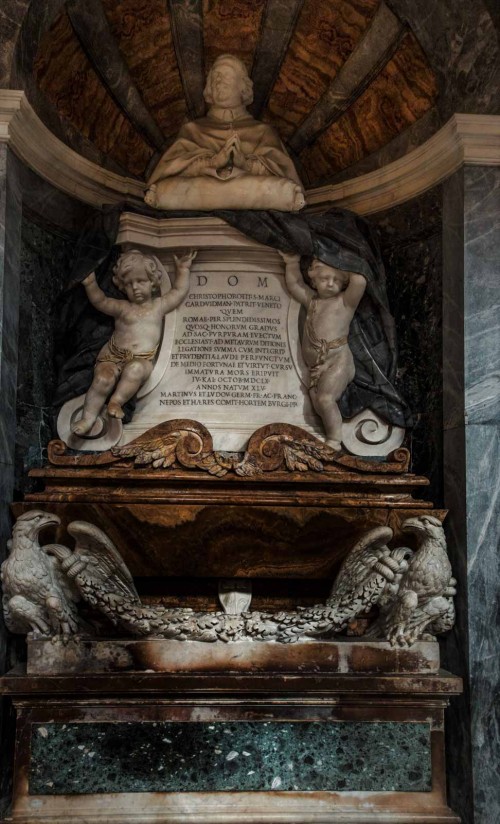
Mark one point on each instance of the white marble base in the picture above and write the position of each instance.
(105, 433)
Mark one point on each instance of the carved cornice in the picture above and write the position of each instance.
(55, 162)
(465, 139)
(204, 232)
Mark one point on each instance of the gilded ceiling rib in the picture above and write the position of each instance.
(187, 28)
(90, 25)
(278, 25)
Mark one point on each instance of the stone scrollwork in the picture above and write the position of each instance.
(411, 589)
(188, 444)
(367, 434)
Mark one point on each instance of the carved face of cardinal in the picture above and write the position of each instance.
(226, 86)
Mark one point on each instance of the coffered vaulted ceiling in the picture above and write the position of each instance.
(338, 79)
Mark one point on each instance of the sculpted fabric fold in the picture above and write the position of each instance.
(339, 238)
(200, 140)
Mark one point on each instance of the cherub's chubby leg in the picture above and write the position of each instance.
(105, 376)
(133, 376)
(337, 373)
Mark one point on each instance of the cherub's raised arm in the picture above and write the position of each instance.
(355, 290)
(110, 306)
(295, 283)
(179, 290)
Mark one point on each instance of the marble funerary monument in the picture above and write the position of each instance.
(229, 578)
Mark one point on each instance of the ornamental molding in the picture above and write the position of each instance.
(50, 158)
(465, 139)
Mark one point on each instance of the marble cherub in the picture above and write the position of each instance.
(330, 305)
(125, 362)
(227, 159)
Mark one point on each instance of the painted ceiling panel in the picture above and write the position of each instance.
(65, 75)
(149, 37)
(143, 33)
(325, 35)
(231, 26)
(403, 91)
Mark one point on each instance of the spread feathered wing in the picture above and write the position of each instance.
(103, 561)
(362, 577)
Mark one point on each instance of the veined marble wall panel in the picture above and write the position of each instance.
(483, 584)
(10, 222)
(482, 445)
(34, 262)
(482, 295)
(471, 235)
(10, 214)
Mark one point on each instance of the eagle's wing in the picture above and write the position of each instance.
(59, 552)
(359, 563)
(103, 562)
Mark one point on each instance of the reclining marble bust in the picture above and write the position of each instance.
(227, 159)
(125, 362)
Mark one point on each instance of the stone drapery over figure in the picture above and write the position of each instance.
(412, 589)
(227, 159)
(125, 362)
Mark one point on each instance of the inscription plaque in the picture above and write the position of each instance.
(230, 356)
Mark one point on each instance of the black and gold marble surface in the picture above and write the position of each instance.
(411, 246)
(46, 258)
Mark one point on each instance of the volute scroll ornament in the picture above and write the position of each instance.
(187, 444)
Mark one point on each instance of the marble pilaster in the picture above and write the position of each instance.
(471, 405)
(10, 238)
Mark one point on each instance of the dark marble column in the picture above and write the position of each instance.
(471, 402)
(10, 241)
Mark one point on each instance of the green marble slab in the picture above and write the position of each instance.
(223, 756)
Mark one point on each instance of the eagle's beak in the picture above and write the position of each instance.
(50, 519)
(412, 525)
